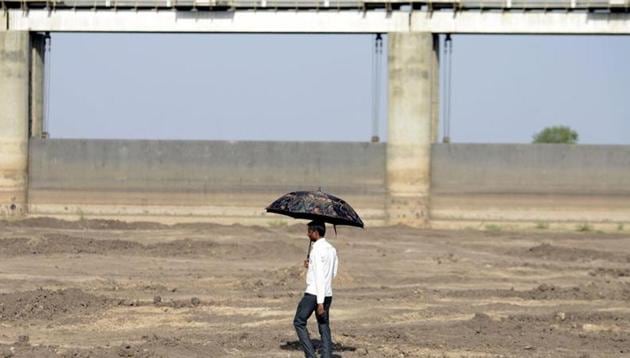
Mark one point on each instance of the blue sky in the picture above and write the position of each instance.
(319, 87)
(505, 88)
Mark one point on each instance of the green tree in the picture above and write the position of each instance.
(556, 134)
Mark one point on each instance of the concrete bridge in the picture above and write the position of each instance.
(321, 16)
(412, 27)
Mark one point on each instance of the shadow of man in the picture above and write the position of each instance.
(296, 346)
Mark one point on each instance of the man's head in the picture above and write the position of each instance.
(316, 230)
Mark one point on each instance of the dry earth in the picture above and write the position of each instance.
(112, 289)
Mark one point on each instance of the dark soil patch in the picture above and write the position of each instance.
(552, 252)
(107, 224)
(284, 278)
(47, 304)
(96, 224)
(149, 347)
(592, 291)
(614, 272)
(517, 336)
(62, 243)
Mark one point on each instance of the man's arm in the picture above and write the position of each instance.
(320, 289)
(335, 263)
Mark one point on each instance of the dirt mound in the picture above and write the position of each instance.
(99, 224)
(149, 347)
(28, 351)
(481, 322)
(218, 229)
(513, 336)
(39, 223)
(285, 277)
(62, 243)
(47, 304)
(175, 303)
(571, 317)
(179, 347)
(591, 291)
(188, 247)
(96, 224)
(547, 292)
(288, 278)
(551, 252)
(14, 246)
(614, 272)
(241, 249)
(109, 224)
(288, 275)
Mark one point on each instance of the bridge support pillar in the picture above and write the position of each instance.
(14, 118)
(38, 50)
(412, 112)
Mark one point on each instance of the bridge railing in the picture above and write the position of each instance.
(542, 4)
(321, 4)
(187, 3)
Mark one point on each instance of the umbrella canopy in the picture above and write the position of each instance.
(316, 205)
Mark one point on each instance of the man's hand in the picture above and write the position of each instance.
(320, 309)
(305, 263)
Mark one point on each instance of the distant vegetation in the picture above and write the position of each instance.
(556, 134)
(585, 227)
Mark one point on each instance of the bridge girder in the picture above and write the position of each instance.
(324, 21)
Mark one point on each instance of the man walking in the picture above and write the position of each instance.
(322, 268)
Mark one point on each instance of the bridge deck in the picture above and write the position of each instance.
(545, 5)
(319, 16)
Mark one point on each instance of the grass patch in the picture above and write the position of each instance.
(278, 223)
(620, 227)
(493, 227)
(585, 227)
(542, 226)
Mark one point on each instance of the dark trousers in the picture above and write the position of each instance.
(305, 308)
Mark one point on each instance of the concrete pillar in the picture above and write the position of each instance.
(14, 110)
(412, 70)
(38, 49)
(435, 90)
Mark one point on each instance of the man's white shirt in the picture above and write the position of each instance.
(322, 268)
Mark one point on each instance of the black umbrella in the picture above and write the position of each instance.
(316, 205)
